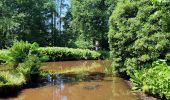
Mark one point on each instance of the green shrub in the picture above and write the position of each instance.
(10, 78)
(139, 34)
(83, 42)
(153, 79)
(30, 66)
(4, 56)
(20, 50)
(104, 54)
(63, 53)
(27, 60)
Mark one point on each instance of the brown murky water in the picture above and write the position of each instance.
(109, 88)
(57, 66)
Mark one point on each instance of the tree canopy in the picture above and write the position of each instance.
(139, 33)
(90, 21)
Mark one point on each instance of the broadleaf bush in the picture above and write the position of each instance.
(139, 34)
(153, 79)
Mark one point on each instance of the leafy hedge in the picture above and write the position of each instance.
(139, 34)
(63, 53)
(153, 79)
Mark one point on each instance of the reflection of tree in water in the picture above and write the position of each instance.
(121, 90)
(58, 81)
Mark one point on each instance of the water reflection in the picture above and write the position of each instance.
(61, 87)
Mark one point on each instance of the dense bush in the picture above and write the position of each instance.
(20, 50)
(139, 34)
(63, 53)
(153, 79)
(30, 66)
(26, 61)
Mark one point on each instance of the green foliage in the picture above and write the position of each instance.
(139, 33)
(25, 20)
(159, 2)
(104, 54)
(4, 56)
(30, 66)
(167, 56)
(153, 79)
(10, 78)
(76, 23)
(27, 60)
(90, 21)
(83, 42)
(62, 53)
(20, 50)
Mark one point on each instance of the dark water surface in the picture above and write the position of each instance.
(107, 88)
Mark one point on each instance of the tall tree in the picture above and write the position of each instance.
(139, 34)
(25, 20)
(90, 21)
(10, 19)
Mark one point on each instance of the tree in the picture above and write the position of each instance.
(36, 26)
(25, 20)
(10, 19)
(139, 34)
(90, 21)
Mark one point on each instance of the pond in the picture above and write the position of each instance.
(97, 86)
